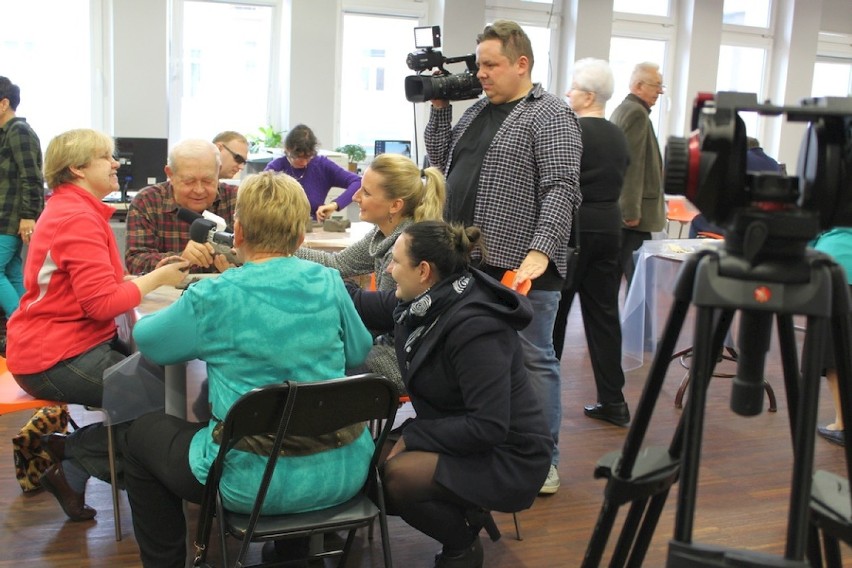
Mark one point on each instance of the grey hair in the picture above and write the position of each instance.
(594, 75)
(193, 148)
(642, 71)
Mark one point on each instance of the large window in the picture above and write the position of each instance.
(373, 77)
(754, 13)
(743, 69)
(832, 79)
(624, 54)
(646, 7)
(53, 67)
(833, 67)
(225, 72)
(744, 54)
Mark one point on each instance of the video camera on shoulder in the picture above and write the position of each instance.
(448, 86)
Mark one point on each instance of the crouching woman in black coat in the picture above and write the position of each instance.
(480, 440)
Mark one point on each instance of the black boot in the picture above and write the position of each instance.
(471, 557)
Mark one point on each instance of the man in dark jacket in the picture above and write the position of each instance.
(643, 207)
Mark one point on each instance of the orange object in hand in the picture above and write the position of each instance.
(509, 278)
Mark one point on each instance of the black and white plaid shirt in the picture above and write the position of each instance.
(529, 185)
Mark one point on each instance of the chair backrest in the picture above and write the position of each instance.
(319, 408)
(300, 409)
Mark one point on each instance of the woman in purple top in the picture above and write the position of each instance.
(316, 174)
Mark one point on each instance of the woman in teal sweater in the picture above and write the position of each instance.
(275, 318)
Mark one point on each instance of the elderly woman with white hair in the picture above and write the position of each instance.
(597, 275)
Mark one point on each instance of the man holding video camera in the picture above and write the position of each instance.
(512, 164)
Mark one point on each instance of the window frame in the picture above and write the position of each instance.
(540, 15)
(657, 28)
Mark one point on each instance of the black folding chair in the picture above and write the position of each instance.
(302, 409)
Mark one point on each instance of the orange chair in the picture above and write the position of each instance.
(679, 213)
(14, 399)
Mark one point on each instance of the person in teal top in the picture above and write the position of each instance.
(275, 318)
(837, 243)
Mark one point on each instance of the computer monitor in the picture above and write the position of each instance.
(393, 147)
(141, 162)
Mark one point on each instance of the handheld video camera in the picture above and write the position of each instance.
(452, 87)
(709, 168)
(204, 231)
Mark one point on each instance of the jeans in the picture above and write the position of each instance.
(11, 273)
(158, 479)
(541, 362)
(79, 380)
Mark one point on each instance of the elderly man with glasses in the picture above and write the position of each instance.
(643, 207)
(316, 174)
(156, 226)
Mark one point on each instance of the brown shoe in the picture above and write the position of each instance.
(73, 503)
(54, 445)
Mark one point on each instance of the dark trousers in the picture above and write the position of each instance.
(631, 241)
(597, 280)
(158, 479)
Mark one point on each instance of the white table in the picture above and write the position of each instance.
(649, 300)
(184, 381)
(333, 242)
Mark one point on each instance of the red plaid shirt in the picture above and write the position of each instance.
(154, 230)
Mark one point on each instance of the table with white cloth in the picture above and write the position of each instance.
(649, 300)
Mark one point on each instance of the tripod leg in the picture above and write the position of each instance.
(814, 550)
(702, 367)
(803, 442)
(623, 469)
(643, 539)
(628, 532)
(790, 366)
(600, 535)
(841, 331)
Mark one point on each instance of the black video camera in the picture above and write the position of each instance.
(452, 87)
(204, 231)
(709, 168)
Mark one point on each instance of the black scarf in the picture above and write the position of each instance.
(418, 316)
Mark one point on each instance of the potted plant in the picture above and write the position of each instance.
(356, 154)
(269, 138)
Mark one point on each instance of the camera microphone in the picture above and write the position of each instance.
(189, 216)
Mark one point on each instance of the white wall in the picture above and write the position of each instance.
(140, 69)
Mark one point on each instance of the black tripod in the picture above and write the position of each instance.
(719, 283)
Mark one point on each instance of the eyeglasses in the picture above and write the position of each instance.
(656, 86)
(291, 156)
(237, 158)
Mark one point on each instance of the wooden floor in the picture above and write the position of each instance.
(742, 497)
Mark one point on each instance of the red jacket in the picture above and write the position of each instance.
(74, 280)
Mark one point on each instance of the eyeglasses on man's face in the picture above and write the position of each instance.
(660, 87)
(237, 157)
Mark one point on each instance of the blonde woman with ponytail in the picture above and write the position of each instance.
(394, 193)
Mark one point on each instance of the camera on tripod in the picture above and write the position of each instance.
(449, 86)
(709, 168)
